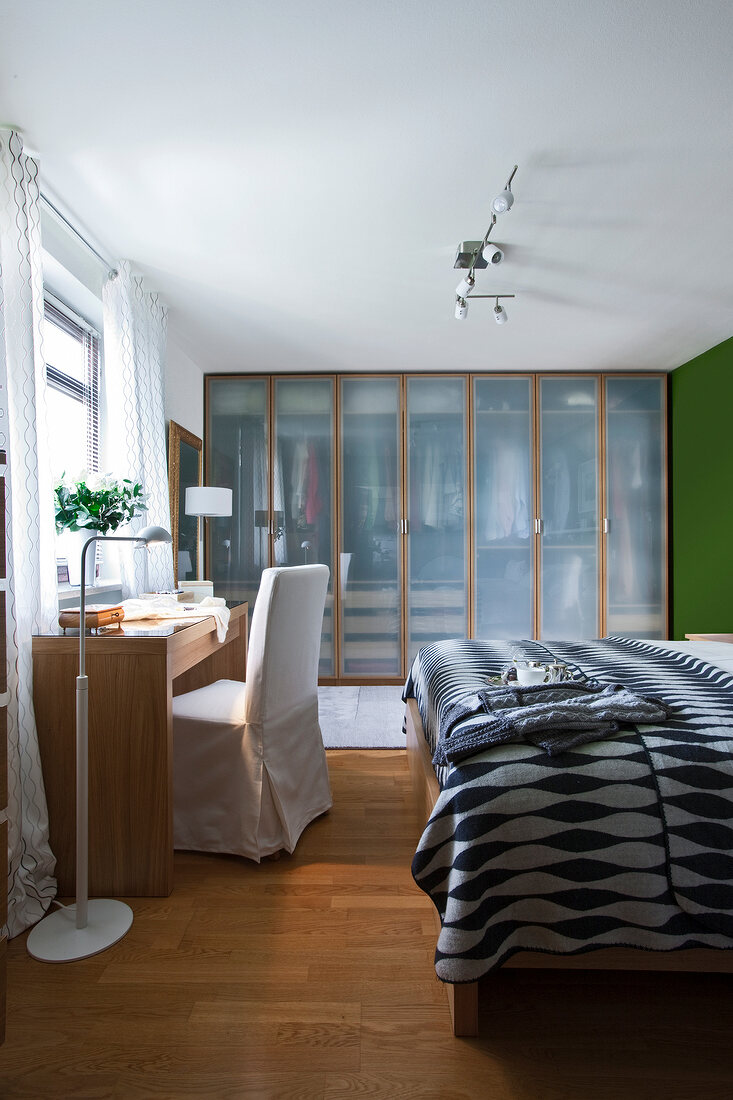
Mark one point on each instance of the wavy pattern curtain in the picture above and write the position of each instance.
(31, 567)
(134, 352)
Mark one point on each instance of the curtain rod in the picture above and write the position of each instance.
(72, 228)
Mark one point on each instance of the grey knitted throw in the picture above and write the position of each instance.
(555, 717)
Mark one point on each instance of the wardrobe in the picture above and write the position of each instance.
(446, 506)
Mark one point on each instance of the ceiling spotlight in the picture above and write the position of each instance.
(500, 314)
(492, 254)
(502, 202)
(505, 198)
(465, 286)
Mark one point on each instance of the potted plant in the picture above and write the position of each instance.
(93, 504)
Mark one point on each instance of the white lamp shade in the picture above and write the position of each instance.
(465, 286)
(500, 315)
(208, 500)
(492, 254)
(503, 202)
(153, 535)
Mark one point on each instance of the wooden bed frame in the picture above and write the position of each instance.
(463, 998)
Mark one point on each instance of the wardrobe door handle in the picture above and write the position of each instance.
(606, 525)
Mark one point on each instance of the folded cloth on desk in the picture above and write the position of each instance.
(168, 607)
(555, 717)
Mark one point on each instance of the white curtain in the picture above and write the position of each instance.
(134, 355)
(29, 525)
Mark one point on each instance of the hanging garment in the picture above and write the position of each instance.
(389, 481)
(507, 490)
(436, 493)
(363, 484)
(556, 490)
(452, 488)
(431, 481)
(298, 481)
(313, 502)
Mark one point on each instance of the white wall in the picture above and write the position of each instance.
(184, 389)
(75, 275)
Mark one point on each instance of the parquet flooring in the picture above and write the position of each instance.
(311, 978)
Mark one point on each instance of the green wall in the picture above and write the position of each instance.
(702, 493)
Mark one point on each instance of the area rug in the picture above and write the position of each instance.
(361, 717)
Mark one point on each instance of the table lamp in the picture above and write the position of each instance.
(87, 927)
(207, 502)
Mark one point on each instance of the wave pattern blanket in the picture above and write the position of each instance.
(620, 842)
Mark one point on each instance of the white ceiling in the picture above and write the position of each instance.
(294, 177)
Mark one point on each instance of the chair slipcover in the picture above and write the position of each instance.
(249, 767)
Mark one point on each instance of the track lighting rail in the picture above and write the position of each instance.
(477, 255)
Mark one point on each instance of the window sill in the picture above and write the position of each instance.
(72, 593)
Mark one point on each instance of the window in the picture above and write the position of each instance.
(71, 351)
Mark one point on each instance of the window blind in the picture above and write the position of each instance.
(88, 390)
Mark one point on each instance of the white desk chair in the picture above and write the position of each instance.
(249, 767)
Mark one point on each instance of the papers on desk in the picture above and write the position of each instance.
(168, 607)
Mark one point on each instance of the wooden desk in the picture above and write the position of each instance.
(709, 637)
(134, 672)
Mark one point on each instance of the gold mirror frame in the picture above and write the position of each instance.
(178, 437)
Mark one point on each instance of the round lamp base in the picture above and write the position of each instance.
(57, 939)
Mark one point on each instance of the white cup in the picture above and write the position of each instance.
(531, 675)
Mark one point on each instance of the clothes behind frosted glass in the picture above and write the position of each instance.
(506, 490)
(555, 490)
(436, 482)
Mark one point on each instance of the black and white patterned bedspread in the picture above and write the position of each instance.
(620, 842)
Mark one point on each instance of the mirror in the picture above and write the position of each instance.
(184, 470)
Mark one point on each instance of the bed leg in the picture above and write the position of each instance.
(463, 1002)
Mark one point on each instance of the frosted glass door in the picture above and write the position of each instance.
(236, 448)
(569, 476)
(370, 556)
(303, 485)
(503, 508)
(437, 592)
(636, 515)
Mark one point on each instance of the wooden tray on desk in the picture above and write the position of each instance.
(95, 615)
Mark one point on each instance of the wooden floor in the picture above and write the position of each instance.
(312, 978)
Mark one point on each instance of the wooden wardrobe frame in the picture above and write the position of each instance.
(463, 997)
(535, 381)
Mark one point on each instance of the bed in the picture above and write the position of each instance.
(612, 855)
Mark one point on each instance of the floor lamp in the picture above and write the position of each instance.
(88, 927)
(207, 502)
